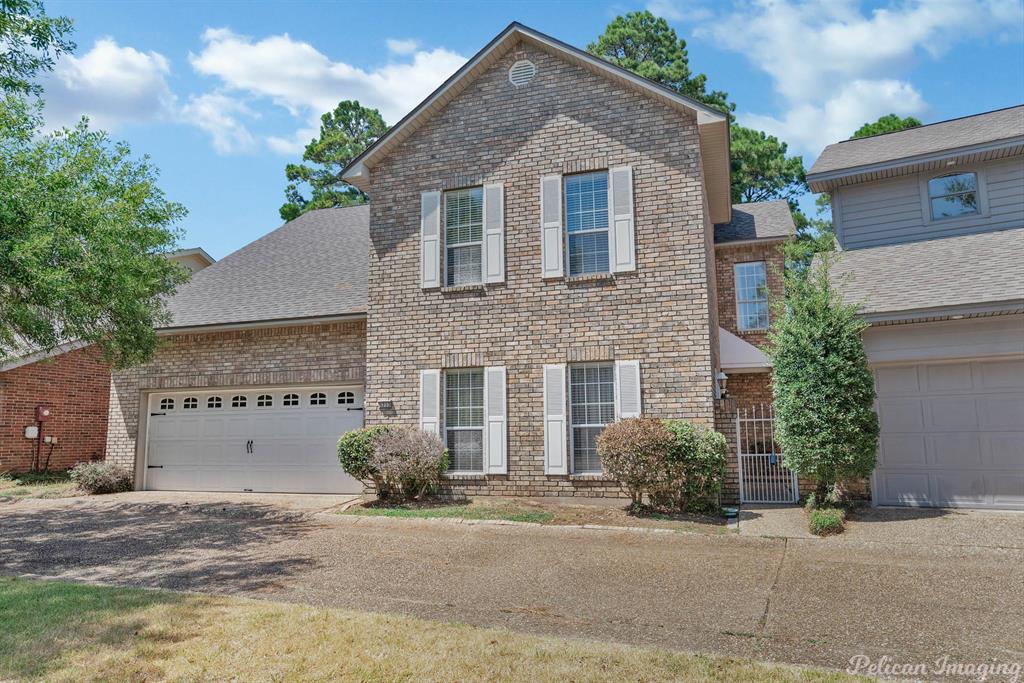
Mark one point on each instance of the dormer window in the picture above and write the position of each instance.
(953, 195)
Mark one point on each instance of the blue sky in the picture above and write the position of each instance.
(222, 95)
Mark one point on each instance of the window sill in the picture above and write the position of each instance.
(591, 476)
(757, 331)
(464, 476)
(589, 277)
(459, 289)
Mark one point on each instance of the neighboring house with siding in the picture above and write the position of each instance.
(930, 222)
(549, 246)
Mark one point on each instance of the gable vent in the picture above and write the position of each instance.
(522, 72)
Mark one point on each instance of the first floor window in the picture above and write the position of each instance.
(464, 236)
(586, 222)
(751, 296)
(592, 407)
(464, 419)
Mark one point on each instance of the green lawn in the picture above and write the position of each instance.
(465, 511)
(36, 485)
(58, 631)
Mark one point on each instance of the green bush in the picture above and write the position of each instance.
(355, 448)
(635, 451)
(694, 469)
(825, 421)
(408, 461)
(102, 477)
(826, 521)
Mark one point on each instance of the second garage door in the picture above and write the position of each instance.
(952, 434)
(263, 439)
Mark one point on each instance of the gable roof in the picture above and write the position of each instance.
(713, 125)
(315, 266)
(908, 280)
(757, 221)
(971, 138)
(198, 252)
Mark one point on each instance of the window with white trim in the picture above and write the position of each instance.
(239, 401)
(213, 402)
(586, 222)
(751, 296)
(464, 419)
(318, 399)
(264, 401)
(346, 398)
(952, 195)
(167, 404)
(190, 403)
(464, 236)
(592, 408)
(290, 400)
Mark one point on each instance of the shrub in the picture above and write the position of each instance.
(694, 469)
(635, 451)
(826, 521)
(102, 477)
(811, 502)
(355, 449)
(409, 462)
(825, 420)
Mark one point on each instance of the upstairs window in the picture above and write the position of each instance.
(464, 236)
(751, 296)
(464, 419)
(586, 222)
(952, 195)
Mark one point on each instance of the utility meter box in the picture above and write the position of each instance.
(32, 432)
(42, 414)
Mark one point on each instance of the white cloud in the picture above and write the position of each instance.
(678, 10)
(111, 85)
(295, 75)
(218, 114)
(402, 47)
(807, 126)
(829, 59)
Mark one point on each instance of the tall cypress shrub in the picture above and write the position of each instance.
(825, 419)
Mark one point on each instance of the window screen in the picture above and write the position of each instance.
(464, 419)
(463, 236)
(751, 296)
(592, 403)
(586, 222)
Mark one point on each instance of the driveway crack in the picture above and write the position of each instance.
(775, 582)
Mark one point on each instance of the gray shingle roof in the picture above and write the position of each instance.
(954, 271)
(313, 266)
(756, 221)
(933, 138)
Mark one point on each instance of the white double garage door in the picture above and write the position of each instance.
(251, 439)
(952, 434)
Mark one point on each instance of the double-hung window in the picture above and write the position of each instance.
(592, 407)
(751, 296)
(586, 222)
(464, 419)
(464, 236)
(953, 195)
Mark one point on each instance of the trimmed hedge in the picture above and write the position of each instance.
(102, 477)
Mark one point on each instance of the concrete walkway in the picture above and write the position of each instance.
(795, 600)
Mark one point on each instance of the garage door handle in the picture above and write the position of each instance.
(154, 467)
(353, 408)
(155, 414)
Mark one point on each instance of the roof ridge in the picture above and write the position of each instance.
(927, 125)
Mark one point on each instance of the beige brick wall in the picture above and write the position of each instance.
(566, 120)
(307, 354)
(726, 258)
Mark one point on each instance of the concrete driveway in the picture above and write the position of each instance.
(795, 600)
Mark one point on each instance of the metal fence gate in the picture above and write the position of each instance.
(763, 477)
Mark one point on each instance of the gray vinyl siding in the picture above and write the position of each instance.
(892, 211)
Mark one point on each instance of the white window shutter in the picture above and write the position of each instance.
(551, 226)
(495, 421)
(555, 441)
(494, 233)
(623, 239)
(430, 239)
(627, 389)
(430, 401)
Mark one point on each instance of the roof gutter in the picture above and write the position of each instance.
(1008, 306)
(756, 240)
(258, 324)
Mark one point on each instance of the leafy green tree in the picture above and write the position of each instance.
(84, 231)
(649, 47)
(825, 419)
(30, 42)
(344, 134)
(761, 171)
(890, 123)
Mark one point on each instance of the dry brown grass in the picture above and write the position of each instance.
(71, 632)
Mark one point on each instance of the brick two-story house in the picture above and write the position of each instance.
(549, 246)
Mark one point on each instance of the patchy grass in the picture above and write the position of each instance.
(826, 521)
(542, 511)
(37, 485)
(70, 632)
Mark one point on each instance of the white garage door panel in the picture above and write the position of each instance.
(952, 434)
(281, 440)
